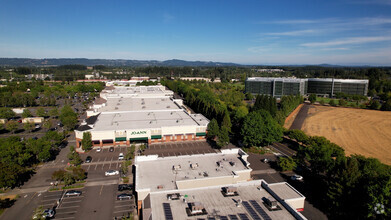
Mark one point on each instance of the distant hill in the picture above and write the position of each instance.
(106, 62)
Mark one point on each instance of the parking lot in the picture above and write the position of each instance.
(102, 162)
(95, 202)
(179, 148)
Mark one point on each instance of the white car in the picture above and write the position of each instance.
(111, 172)
(98, 149)
(297, 177)
(121, 156)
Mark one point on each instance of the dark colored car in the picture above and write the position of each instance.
(111, 149)
(88, 159)
(73, 193)
(123, 187)
(124, 196)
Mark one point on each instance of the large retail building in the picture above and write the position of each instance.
(210, 186)
(122, 115)
(278, 87)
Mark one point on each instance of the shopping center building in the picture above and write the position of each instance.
(210, 186)
(149, 114)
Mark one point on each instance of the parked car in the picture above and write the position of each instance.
(88, 159)
(124, 196)
(111, 172)
(111, 149)
(72, 193)
(120, 156)
(98, 149)
(123, 187)
(48, 213)
(265, 160)
(37, 126)
(297, 177)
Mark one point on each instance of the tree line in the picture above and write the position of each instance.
(351, 187)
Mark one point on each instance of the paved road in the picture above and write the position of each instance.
(283, 149)
(299, 120)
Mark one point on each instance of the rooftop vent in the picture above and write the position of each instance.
(168, 106)
(176, 167)
(173, 196)
(194, 166)
(232, 163)
(230, 191)
(219, 164)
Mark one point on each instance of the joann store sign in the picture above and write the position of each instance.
(138, 132)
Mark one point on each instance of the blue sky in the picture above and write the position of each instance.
(349, 32)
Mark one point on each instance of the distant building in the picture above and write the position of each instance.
(89, 76)
(39, 76)
(268, 70)
(35, 120)
(330, 87)
(278, 87)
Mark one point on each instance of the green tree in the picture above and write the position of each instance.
(26, 113)
(332, 102)
(29, 126)
(69, 179)
(53, 112)
(74, 157)
(342, 102)
(47, 124)
(41, 112)
(374, 104)
(286, 163)
(321, 102)
(68, 117)
(59, 175)
(386, 106)
(6, 113)
(312, 98)
(86, 142)
(249, 96)
(223, 137)
(78, 173)
(12, 126)
(259, 128)
(226, 122)
(213, 129)
(298, 135)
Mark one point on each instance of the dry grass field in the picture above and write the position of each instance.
(358, 131)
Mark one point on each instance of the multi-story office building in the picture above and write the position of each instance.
(278, 87)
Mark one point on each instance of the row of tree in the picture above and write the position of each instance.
(352, 187)
(17, 157)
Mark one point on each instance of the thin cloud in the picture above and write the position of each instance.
(352, 40)
(293, 33)
(335, 48)
(168, 17)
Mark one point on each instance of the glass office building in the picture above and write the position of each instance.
(278, 87)
(330, 87)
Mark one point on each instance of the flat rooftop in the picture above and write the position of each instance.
(122, 90)
(215, 203)
(285, 191)
(138, 104)
(147, 119)
(159, 171)
(271, 79)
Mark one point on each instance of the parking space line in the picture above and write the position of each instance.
(96, 166)
(65, 218)
(51, 195)
(88, 167)
(117, 206)
(72, 201)
(60, 213)
(69, 207)
(127, 210)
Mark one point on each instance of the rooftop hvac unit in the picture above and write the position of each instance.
(196, 207)
(271, 202)
(176, 167)
(168, 106)
(232, 163)
(116, 108)
(194, 166)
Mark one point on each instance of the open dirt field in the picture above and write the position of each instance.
(358, 131)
